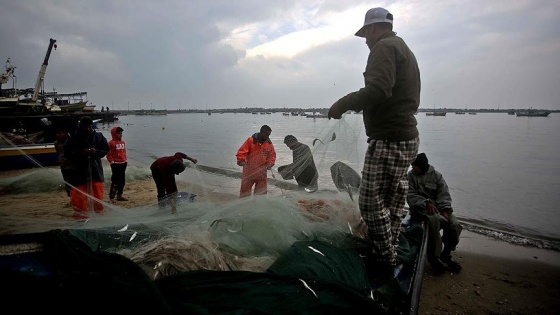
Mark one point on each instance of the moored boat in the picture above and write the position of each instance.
(68, 102)
(27, 156)
(532, 113)
(436, 113)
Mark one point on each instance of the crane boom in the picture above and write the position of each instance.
(43, 70)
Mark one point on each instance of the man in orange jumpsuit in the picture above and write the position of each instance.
(256, 155)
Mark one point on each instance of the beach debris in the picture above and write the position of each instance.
(124, 228)
(308, 288)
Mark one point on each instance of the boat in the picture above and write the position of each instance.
(8, 97)
(88, 108)
(70, 102)
(310, 277)
(532, 113)
(511, 112)
(436, 113)
(472, 113)
(317, 116)
(460, 113)
(27, 156)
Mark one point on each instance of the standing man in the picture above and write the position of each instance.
(118, 161)
(389, 99)
(86, 149)
(164, 170)
(303, 166)
(428, 195)
(256, 155)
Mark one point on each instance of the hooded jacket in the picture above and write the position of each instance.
(117, 149)
(429, 185)
(256, 155)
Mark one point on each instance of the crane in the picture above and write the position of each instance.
(43, 70)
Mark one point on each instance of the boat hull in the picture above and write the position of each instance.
(28, 156)
(532, 114)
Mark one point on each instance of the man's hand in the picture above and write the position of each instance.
(89, 151)
(335, 111)
(431, 208)
(241, 163)
(193, 160)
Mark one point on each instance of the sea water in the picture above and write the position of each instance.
(502, 170)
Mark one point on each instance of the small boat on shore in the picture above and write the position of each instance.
(27, 156)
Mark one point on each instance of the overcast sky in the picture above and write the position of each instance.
(254, 53)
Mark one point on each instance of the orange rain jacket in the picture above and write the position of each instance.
(256, 156)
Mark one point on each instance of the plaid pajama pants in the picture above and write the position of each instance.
(383, 192)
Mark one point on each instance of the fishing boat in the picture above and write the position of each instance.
(436, 113)
(27, 156)
(532, 113)
(88, 108)
(8, 97)
(70, 102)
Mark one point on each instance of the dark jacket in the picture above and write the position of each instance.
(162, 167)
(429, 185)
(303, 167)
(86, 166)
(391, 94)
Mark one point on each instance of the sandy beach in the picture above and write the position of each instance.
(497, 277)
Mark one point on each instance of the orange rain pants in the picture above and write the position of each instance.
(81, 196)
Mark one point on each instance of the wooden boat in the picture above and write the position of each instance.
(532, 113)
(27, 156)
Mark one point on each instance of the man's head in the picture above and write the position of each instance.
(264, 133)
(177, 167)
(86, 124)
(62, 131)
(378, 21)
(420, 164)
(290, 141)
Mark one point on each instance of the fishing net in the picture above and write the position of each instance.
(212, 229)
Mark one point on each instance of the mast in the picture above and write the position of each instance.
(43, 70)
